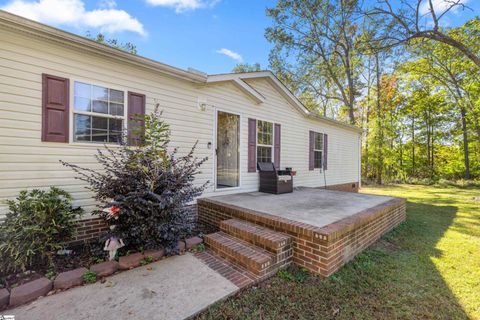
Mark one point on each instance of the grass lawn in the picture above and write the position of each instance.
(427, 268)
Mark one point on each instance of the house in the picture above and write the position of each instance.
(62, 96)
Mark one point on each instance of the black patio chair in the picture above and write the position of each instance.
(274, 181)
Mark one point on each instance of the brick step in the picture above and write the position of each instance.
(259, 236)
(254, 259)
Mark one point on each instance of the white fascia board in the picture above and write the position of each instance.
(252, 93)
(285, 92)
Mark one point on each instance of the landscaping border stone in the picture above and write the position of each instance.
(192, 242)
(105, 269)
(4, 298)
(30, 291)
(41, 287)
(181, 245)
(130, 261)
(155, 254)
(69, 279)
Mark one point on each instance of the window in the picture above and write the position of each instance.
(318, 150)
(264, 141)
(98, 114)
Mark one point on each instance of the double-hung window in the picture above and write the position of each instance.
(264, 141)
(98, 113)
(318, 150)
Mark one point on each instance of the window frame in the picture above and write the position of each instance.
(73, 112)
(272, 146)
(315, 150)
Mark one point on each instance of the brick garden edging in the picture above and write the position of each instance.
(30, 291)
(321, 250)
(40, 287)
(69, 279)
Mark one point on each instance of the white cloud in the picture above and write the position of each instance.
(73, 13)
(230, 53)
(184, 5)
(440, 6)
(107, 4)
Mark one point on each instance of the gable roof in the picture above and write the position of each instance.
(282, 89)
(64, 38)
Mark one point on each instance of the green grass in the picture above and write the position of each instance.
(427, 268)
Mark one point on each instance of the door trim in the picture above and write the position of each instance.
(240, 145)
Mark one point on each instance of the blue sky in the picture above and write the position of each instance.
(208, 35)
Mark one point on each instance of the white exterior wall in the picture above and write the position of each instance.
(27, 162)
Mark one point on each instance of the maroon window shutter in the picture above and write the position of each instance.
(55, 108)
(252, 145)
(325, 151)
(136, 107)
(311, 155)
(276, 146)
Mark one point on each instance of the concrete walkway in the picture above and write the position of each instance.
(173, 288)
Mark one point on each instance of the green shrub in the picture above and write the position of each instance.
(89, 277)
(198, 248)
(50, 275)
(285, 274)
(298, 275)
(146, 260)
(37, 225)
(151, 186)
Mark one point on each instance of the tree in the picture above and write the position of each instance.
(245, 67)
(316, 46)
(446, 70)
(125, 46)
(427, 133)
(406, 20)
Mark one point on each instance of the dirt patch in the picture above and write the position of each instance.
(202, 229)
(81, 256)
(17, 279)
(384, 245)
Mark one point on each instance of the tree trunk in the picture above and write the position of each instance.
(367, 131)
(465, 143)
(351, 89)
(432, 157)
(379, 123)
(428, 143)
(413, 146)
(463, 115)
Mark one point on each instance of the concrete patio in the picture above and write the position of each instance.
(327, 228)
(317, 207)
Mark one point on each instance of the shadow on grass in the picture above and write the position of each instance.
(394, 279)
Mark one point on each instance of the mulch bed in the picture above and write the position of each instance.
(81, 256)
(202, 229)
(14, 280)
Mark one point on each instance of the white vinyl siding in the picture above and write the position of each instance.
(27, 162)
